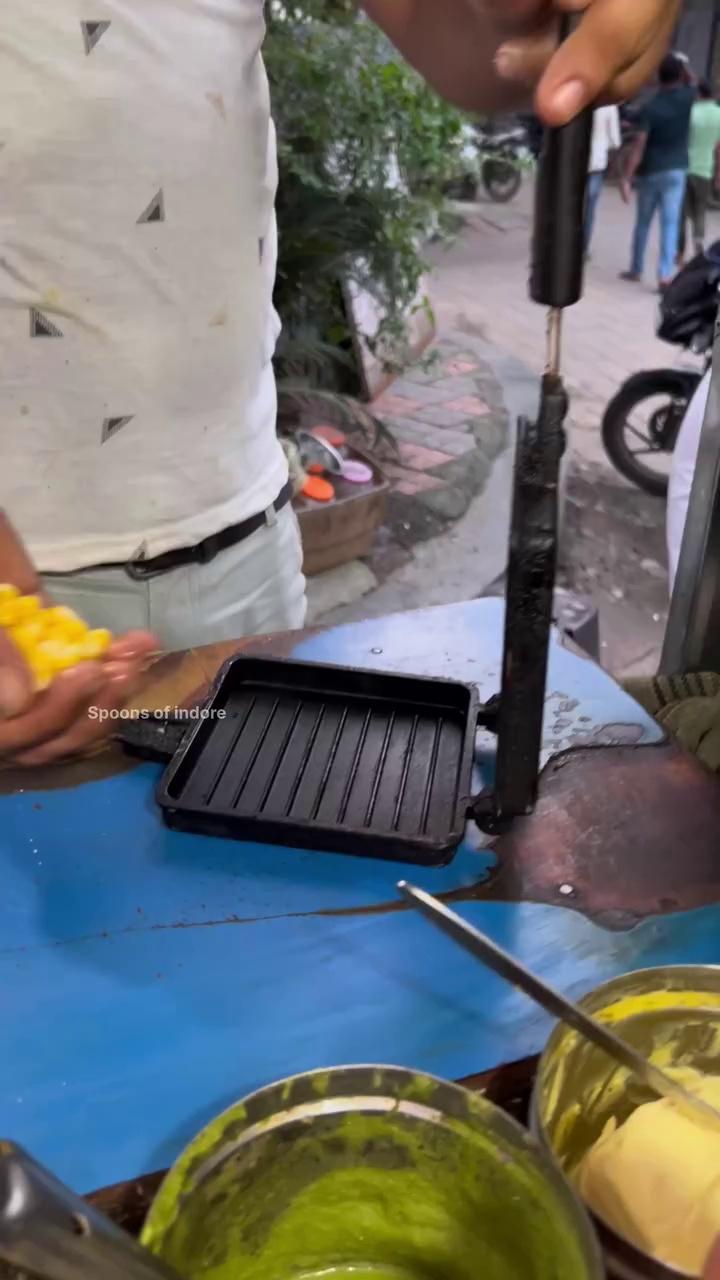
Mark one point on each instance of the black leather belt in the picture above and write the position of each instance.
(204, 551)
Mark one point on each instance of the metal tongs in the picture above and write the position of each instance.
(556, 282)
(49, 1231)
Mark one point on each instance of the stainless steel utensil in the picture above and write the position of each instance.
(674, 1009)
(46, 1229)
(342, 1153)
(317, 452)
(502, 963)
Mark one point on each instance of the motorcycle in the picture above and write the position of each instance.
(642, 422)
(503, 159)
(496, 161)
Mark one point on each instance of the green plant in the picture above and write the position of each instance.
(365, 148)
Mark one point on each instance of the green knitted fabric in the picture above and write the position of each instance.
(687, 707)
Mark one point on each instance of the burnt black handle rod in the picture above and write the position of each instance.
(558, 248)
(556, 282)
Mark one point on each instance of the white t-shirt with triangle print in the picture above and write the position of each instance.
(137, 258)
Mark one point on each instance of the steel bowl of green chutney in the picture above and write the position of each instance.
(369, 1173)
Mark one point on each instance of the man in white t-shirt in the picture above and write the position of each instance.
(140, 462)
(606, 137)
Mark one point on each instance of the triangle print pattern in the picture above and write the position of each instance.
(111, 426)
(155, 211)
(93, 32)
(41, 327)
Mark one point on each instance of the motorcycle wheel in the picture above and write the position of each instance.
(642, 423)
(501, 179)
(463, 189)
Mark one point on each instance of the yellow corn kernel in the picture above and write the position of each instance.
(42, 674)
(27, 634)
(27, 607)
(59, 614)
(95, 644)
(9, 616)
(51, 640)
(58, 655)
(72, 630)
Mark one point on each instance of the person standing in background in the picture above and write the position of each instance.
(704, 167)
(607, 137)
(658, 165)
(688, 75)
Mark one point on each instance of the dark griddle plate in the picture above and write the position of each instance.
(329, 758)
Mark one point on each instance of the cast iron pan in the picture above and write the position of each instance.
(321, 757)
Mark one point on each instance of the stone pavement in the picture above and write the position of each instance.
(450, 423)
(471, 551)
(444, 538)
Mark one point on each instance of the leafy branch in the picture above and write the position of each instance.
(365, 149)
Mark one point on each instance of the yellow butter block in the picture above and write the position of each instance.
(7, 591)
(654, 1179)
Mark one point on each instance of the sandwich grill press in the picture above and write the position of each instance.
(380, 765)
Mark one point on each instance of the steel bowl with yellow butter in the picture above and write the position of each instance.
(671, 1016)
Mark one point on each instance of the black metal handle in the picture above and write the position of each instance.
(153, 737)
(558, 249)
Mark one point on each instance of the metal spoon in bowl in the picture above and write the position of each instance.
(661, 1084)
(49, 1231)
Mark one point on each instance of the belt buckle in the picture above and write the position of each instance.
(206, 550)
(140, 571)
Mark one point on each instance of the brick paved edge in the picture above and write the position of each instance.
(451, 422)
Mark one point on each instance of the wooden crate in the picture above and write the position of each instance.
(336, 532)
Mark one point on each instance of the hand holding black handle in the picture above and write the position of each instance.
(558, 250)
